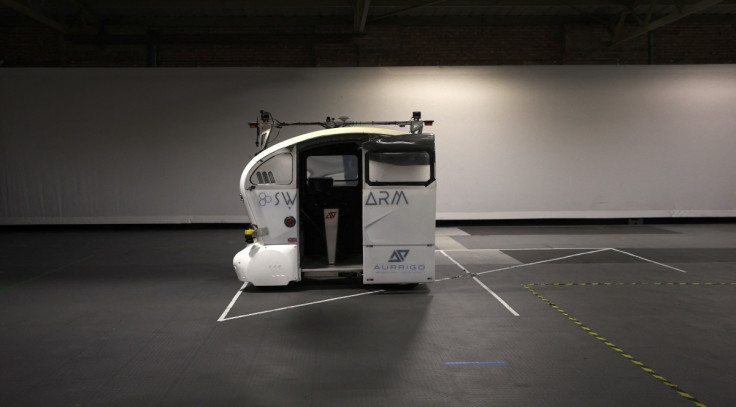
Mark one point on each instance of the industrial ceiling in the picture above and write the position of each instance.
(131, 21)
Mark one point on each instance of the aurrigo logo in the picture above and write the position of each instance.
(398, 256)
(397, 262)
(331, 215)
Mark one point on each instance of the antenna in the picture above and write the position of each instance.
(263, 128)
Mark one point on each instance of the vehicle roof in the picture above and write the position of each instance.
(324, 133)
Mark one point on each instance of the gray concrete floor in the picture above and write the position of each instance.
(520, 316)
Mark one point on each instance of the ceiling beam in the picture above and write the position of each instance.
(682, 12)
(156, 38)
(361, 15)
(393, 13)
(617, 32)
(33, 14)
(84, 15)
(585, 13)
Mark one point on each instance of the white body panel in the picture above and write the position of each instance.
(399, 215)
(270, 208)
(267, 265)
(398, 234)
(398, 264)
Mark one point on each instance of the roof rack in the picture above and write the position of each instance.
(266, 122)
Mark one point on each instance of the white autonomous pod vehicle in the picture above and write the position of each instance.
(348, 201)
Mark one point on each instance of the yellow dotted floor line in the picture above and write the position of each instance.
(608, 343)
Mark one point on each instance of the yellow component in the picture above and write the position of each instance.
(249, 232)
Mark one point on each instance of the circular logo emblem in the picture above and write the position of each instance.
(264, 199)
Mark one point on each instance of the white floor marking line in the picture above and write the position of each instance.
(526, 248)
(543, 261)
(222, 317)
(651, 261)
(508, 307)
(453, 260)
(295, 306)
(240, 291)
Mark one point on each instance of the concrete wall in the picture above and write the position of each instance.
(168, 145)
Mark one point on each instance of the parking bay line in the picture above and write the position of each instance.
(235, 298)
(544, 261)
(651, 261)
(496, 296)
(224, 317)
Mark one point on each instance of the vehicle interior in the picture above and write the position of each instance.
(330, 177)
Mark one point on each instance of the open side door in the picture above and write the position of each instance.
(399, 206)
(270, 194)
(272, 199)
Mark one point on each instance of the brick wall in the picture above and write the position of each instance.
(383, 45)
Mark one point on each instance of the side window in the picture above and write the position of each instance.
(343, 169)
(276, 170)
(400, 168)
